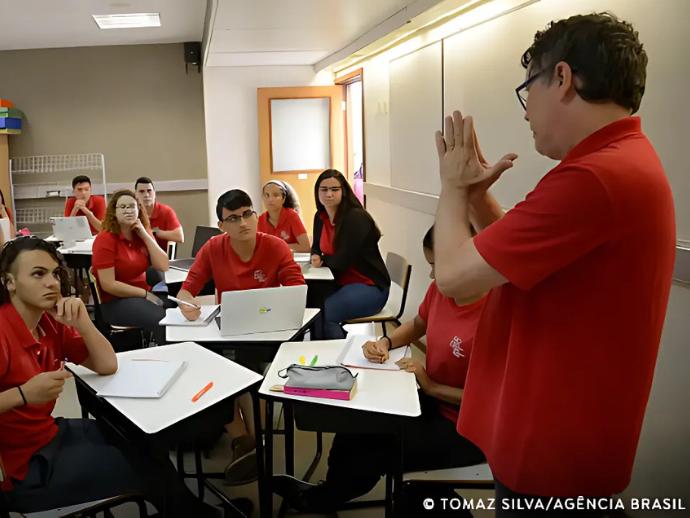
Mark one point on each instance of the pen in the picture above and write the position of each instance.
(203, 391)
(180, 301)
(314, 360)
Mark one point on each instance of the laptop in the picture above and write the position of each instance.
(201, 235)
(70, 229)
(262, 311)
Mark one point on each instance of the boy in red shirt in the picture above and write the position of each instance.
(164, 223)
(84, 204)
(565, 350)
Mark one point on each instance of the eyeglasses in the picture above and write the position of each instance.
(521, 91)
(234, 218)
(126, 208)
(324, 190)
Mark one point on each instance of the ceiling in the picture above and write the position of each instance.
(37, 24)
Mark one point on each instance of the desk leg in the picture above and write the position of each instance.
(397, 474)
(317, 457)
(267, 505)
(199, 474)
(260, 453)
(289, 438)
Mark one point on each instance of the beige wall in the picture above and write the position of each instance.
(134, 104)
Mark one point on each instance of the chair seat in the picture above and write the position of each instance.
(479, 473)
(384, 315)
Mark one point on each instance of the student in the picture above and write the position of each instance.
(6, 213)
(282, 218)
(579, 271)
(357, 461)
(122, 254)
(239, 259)
(346, 240)
(85, 204)
(47, 462)
(164, 223)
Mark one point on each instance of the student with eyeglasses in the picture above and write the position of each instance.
(281, 217)
(123, 252)
(49, 462)
(346, 240)
(241, 258)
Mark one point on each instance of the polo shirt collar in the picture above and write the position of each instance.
(16, 327)
(605, 136)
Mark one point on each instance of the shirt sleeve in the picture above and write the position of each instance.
(99, 208)
(104, 251)
(4, 360)
(171, 221)
(296, 225)
(566, 216)
(73, 346)
(316, 235)
(200, 272)
(289, 272)
(69, 205)
(425, 306)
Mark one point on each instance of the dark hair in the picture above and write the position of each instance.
(428, 241)
(604, 53)
(142, 179)
(110, 223)
(2, 197)
(10, 252)
(289, 201)
(232, 200)
(348, 201)
(80, 179)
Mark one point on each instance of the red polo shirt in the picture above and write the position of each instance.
(289, 225)
(327, 246)
(96, 204)
(25, 430)
(163, 217)
(271, 265)
(564, 354)
(450, 333)
(129, 258)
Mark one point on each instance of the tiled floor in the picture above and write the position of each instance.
(67, 406)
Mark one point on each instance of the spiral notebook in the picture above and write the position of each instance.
(141, 378)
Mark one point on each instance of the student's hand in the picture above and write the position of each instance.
(46, 386)
(152, 297)
(459, 159)
(71, 311)
(139, 228)
(415, 367)
(316, 261)
(189, 312)
(79, 204)
(377, 351)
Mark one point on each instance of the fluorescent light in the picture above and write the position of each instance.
(127, 21)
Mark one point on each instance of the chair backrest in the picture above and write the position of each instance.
(400, 271)
(172, 250)
(202, 235)
(95, 290)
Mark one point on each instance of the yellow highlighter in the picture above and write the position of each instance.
(301, 360)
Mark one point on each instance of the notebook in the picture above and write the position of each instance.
(174, 317)
(353, 356)
(141, 378)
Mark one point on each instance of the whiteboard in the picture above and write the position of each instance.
(416, 113)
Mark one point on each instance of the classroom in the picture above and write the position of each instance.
(344, 258)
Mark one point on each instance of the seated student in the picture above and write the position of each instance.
(282, 217)
(46, 462)
(164, 223)
(84, 204)
(357, 461)
(346, 240)
(122, 254)
(239, 259)
(6, 213)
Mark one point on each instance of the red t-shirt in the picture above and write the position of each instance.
(25, 430)
(564, 354)
(289, 225)
(129, 258)
(272, 265)
(326, 244)
(163, 217)
(449, 336)
(96, 204)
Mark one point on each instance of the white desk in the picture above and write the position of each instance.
(173, 276)
(386, 392)
(80, 248)
(154, 415)
(211, 333)
(310, 273)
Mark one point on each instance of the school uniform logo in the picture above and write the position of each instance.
(259, 276)
(285, 235)
(456, 346)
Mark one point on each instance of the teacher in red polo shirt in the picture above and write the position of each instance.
(83, 203)
(122, 253)
(579, 271)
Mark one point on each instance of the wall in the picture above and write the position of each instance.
(134, 104)
(488, 59)
(232, 135)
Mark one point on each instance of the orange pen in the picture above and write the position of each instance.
(203, 391)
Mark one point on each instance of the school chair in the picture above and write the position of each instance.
(110, 330)
(172, 250)
(400, 271)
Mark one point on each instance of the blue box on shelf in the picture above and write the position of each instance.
(10, 123)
